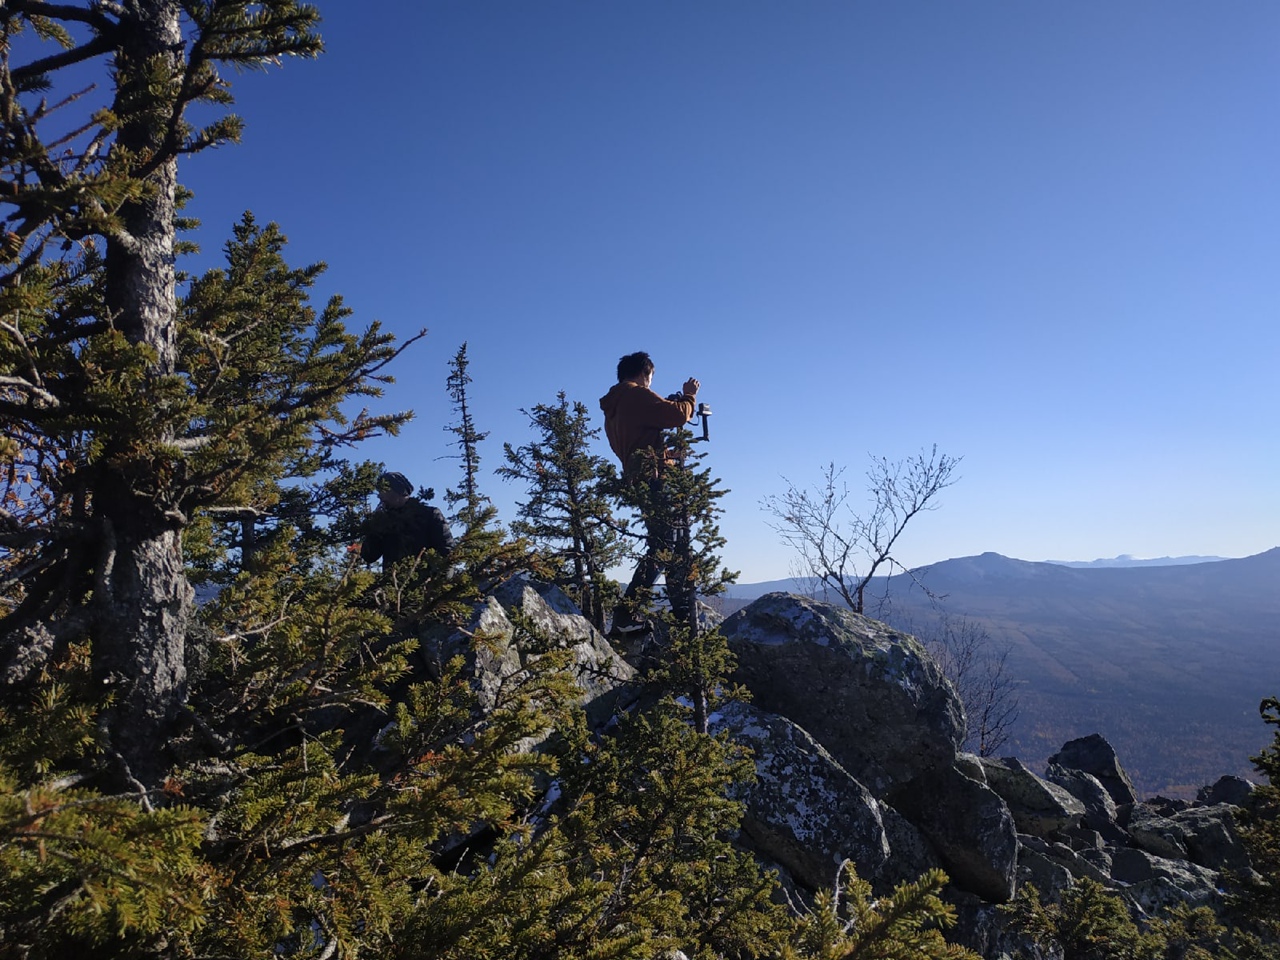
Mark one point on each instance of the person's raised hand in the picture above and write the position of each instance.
(691, 387)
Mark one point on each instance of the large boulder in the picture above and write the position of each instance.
(803, 811)
(1155, 883)
(1038, 807)
(869, 694)
(1236, 791)
(521, 617)
(969, 826)
(1203, 835)
(1211, 838)
(1100, 811)
(1095, 756)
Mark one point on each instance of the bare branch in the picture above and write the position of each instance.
(842, 549)
(44, 400)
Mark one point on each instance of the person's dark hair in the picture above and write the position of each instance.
(634, 365)
(395, 482)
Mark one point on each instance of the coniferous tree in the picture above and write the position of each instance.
(568, 516)
(848, 923)
(1090, 922)
(697, 659)
(472, 502)
(1256, 895)
(483, 554)
(110, 436)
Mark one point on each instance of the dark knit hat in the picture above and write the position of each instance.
(395, 482)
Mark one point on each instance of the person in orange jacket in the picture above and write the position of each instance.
(634, 419)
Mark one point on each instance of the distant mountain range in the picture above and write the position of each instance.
(1129, 560)
(1169, 662)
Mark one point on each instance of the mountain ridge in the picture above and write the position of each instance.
(1169, 663)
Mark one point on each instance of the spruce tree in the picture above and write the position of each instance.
(467, 495)
(568, 516)
(848, 923)
(1256, 895)
(1090, 922)
(686, 502)
(110, 437)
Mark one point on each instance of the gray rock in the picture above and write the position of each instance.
(910, 854)
(1100, 809)
(970, 764)
(1085, 787)
(869, 694)
(487, 665)
(1038, 806)
(969, 826)
(1156, 834)
(1049, 877)
(1156, 883)
(1236, 791)
(804, 810)
(1211, 837)
(494, 651)
(1085, 838)
(1099, 859)
(1094, 755)
(1076, 864)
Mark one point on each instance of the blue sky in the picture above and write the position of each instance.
(1041, 236)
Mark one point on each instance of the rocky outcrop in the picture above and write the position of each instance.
(869, 694)
(1156, 852)
(499, 639)
(1204, 835)
(864, 707)
(1094, 756)
(1236, 791)
(855, 736)
(1039, 808)
(879, 705)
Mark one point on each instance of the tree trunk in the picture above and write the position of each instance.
(143, 601)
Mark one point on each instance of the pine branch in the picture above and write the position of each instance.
(99, 45)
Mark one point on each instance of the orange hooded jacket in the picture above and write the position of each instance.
(634, 418)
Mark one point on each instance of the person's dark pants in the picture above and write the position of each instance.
(660, 539)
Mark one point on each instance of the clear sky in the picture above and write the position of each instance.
(1042, 236)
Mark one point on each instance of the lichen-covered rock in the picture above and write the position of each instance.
(910, 854)
(494, 648)
(969, 826)
(869, 694)
(1095, 756)
(1038, 807)
(1155, 883)
(484, 643)
(804, 810)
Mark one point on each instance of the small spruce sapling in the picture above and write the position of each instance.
(568, 516)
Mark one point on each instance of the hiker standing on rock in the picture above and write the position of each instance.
(634, 419)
